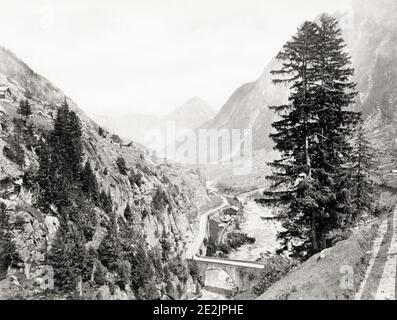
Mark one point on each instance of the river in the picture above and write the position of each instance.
(257, 223)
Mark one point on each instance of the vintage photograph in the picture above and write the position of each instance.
(185, 150)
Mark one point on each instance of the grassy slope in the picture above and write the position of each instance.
(320, 277)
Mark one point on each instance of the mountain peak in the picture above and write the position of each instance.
(194, 104)
(192, 114)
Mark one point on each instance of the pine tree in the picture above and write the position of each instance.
(109, 250)
(128, 212)
(106, 202)
(60, 159)
(89, 183)
(66, 143)
(335, 94)
(68, 255)
(364, 169)
(8, 253)
(121, 164)
(25, 109)
(292, 137)
(311, 178)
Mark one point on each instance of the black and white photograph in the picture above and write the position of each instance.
(184, 150)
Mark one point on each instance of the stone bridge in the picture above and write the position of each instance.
(243, 273)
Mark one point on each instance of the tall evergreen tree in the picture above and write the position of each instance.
(337, 122)
(292, 174)
(364, 169)
(109, 250)
(68, 255)
(60, 159)
(311, 178)
(89, 183)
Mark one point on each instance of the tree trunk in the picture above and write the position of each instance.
(314, 234)
(307, 155)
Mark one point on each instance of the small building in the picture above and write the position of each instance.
(231, 210)
(226, 219)
(5, 93)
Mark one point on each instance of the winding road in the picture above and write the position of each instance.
(194, 249)
(197, 242)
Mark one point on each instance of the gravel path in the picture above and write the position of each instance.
(380, 279)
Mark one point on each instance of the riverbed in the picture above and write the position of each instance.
(258, 223)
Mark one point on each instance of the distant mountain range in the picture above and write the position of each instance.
(370, 31)
(190, 115)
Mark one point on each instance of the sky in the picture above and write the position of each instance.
(150, 56)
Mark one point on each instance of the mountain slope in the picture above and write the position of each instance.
(370, 30)
(248, 108)
(33, 230)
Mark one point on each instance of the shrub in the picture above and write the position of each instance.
(148, 292)
(276, 268)
(102, 132)
(8, 253)
(165, 246)
(194, 271)
(169, 288)
(136, 178)
(4, 126)
(100, 274)
(236, 240)
(128, 212)
(116, 139)
(160, 199)
(15, 153)
(121, 164)
(123, 273)
(179, 269)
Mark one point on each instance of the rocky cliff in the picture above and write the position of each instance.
(33, 230)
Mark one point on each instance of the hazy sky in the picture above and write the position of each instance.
(150, 56)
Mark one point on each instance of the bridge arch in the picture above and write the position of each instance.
(242, 276)
(219, 278)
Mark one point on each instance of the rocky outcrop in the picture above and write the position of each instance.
(33, 231)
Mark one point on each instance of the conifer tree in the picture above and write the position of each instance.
(66, 143)
(122, 166)
(8, 254)
(25, 109)
(335, 94)
(128, 212)
(68, 255)
(364, 169)
(89, 183)
(292, 137)
(106, 202)
(312, 135)
(60, 159)
(109, 250)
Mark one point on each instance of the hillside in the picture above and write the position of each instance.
(34, 230)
